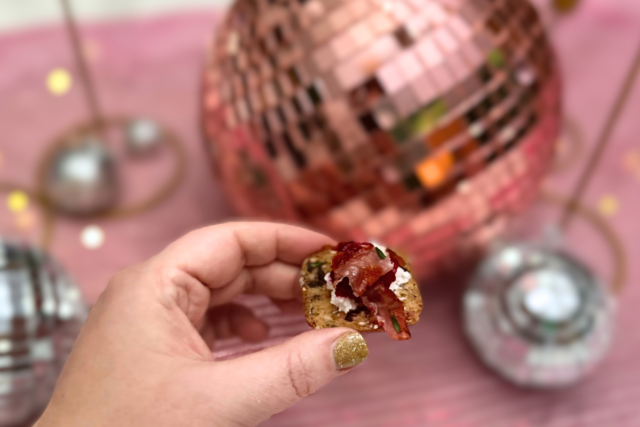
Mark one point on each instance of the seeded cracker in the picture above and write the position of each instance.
(319, 311)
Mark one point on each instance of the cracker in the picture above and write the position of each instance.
(319, 311)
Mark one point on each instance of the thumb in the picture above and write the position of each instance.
(262, 384)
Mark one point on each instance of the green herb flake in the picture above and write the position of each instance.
(420, 123)
(396, 325)
(496, 58)
(316, 264)
(380, 253)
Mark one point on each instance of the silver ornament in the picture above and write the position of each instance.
(41, 313)
(81, 178)
(538, 317)
(143, 136)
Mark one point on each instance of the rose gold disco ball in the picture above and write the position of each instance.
(420, 124)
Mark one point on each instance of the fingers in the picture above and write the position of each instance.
(212, 266)
(236, 245)
(233, 320)
(263, 243)
(255, 257)
(236, 320)
(265, 383)
(289, 306)
(277, 280)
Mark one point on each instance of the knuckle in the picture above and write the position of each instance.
(299, 376)
(166, 276)
(166, 283)
(139, 280)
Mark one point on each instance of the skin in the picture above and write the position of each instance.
(144, 357)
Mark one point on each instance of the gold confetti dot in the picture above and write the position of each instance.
(18, 201)
(59, 81)
(92, 237)
(608, 206)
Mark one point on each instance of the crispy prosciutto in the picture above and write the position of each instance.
(361, 264)
(363, 273)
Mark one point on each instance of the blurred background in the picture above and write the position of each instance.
(30, 13)
(124, 127)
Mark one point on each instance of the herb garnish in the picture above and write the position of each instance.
(380, 253)
(396, 325)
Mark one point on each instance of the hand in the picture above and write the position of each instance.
(144, 356)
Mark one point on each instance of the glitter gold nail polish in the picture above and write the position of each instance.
(350, 350)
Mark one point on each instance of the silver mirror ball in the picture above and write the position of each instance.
(538, 317)
(81, 178)
(41, 312)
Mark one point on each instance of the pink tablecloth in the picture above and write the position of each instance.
(152, 67)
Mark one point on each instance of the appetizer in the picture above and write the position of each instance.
(360, 286)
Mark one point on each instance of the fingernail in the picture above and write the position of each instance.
(350, 350)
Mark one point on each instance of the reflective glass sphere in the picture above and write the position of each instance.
(420, 124)
(41, 312)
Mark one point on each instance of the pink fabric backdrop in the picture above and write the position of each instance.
(152, 68)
